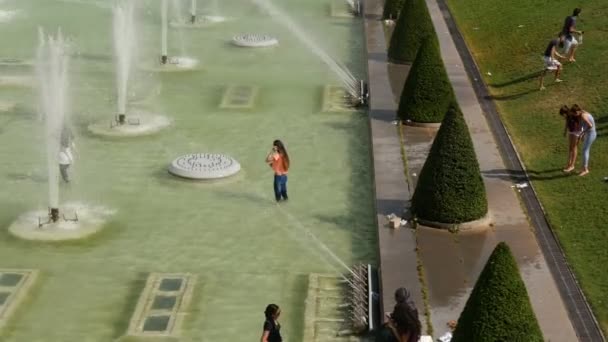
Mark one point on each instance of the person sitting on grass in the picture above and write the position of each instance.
(570, 42)
(551, 62)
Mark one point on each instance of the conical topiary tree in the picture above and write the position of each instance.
(392, 8)
(427, 91)
(450, 188)
(413, 27)
(499, 308)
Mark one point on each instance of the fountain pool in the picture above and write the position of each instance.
(243, 249)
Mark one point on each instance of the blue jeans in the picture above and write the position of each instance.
(280, 187)
(589, 139)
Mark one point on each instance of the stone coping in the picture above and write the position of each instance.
(480, 224)
(14, 286)
(422, 124)
(161, 307)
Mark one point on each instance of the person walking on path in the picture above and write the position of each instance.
(550, 57)
(272, 328)
(589, 135)
(570, 42)
(278, 160)
(573, 130)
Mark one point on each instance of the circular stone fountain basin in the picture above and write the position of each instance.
(138, 123)
(254, 40)
(202, 21)
(204, 166)
(90, 220)
(174, 64)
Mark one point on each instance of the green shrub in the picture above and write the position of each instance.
(412, 28)
(392, 8)
(499, 308)
(450, 188)
(427, 92)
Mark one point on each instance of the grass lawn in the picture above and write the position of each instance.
(507, 39)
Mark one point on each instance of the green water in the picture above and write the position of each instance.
(245, 251)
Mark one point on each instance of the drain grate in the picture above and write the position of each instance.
(14, 285)
(239, 97)
(336, 99)
(161, 305)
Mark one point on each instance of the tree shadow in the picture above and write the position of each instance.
(524, 78)
(516, 95)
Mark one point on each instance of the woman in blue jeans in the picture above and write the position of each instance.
(589, 135)
(278, 160)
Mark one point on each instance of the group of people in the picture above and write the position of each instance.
(402, 325)
(580, 126)
(567, 40)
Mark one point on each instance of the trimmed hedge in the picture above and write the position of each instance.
(499, 308)
(427, 92)
(392, 8)
(412, 28)
(450, 188)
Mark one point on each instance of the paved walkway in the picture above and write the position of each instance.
(397, 248)
(452, 262)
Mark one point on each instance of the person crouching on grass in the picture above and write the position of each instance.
(550, 57)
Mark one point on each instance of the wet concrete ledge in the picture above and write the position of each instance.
(579, 311)
(396, 247)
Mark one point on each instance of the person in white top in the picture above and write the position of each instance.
(66, 158)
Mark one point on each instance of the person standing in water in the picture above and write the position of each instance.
(66, 158)
(278, 160)
(272, 328)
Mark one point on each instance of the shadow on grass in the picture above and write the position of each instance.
(520, 176)
(518, 95)
(524, 78)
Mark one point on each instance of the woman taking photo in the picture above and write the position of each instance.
(278, 160)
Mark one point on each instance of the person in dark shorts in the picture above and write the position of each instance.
(272, 328)
(570, 41)
(550, 58)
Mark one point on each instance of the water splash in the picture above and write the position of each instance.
(164, 8)
(346, 77)
(52, 71)
(193, 8)
(124, 43)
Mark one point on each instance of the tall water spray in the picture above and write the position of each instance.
(124, 42)
(52, 71)
(346, 77)
(164, 9)
(193, 11)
